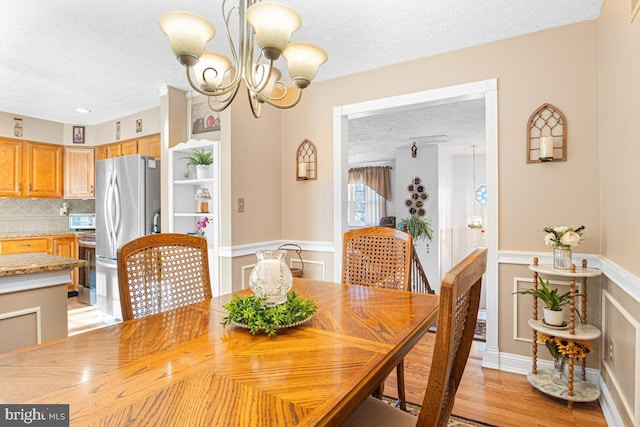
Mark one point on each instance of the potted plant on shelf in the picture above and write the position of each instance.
(554, 302)
(417, 227)
(201, 159)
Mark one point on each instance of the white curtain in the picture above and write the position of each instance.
(375, 207)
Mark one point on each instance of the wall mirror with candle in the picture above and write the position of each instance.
(306, 161)
(547, 135)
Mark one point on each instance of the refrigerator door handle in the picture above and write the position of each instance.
(116, 193)
(107, 216)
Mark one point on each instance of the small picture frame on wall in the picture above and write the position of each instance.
(138, 125)
(78, 134)
(17, 128)
(117, 131)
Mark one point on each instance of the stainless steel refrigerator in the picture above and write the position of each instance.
(127, 207)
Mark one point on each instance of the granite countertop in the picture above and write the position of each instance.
(39, 234)
(11, 265)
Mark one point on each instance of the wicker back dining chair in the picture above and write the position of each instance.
(457, 316)
(379, 257)
(162, 271)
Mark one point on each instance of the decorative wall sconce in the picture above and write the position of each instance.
(414, 150)
(547, 135)
(306, 161)
(202, 197)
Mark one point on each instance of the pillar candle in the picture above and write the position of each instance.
(546, 148)
(302, 170)
(271, 270)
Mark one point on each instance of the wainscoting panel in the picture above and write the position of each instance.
(23, 328)
(523, 305)
(621, 339)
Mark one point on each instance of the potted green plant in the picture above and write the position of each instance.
(553, 301)
(201, 159)
(417, 227)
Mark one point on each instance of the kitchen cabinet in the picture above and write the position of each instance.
(101, 152)
(67, 246)
(128, 148)
(30, 169)
(44, 170)
(145, 145)
(79, 173)
(149, 146)
(24, 245)
(10, 167)
(113, 150)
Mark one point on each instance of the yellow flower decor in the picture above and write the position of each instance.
(559, 347)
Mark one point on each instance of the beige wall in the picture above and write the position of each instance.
(619, 98)
(255, 173)
(60, 133)
(33, 129)
(556, 66)
(619, 102)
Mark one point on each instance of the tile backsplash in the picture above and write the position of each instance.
(39, 215)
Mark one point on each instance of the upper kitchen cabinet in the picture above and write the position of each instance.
(113, 150)
(145, 145)
(79, 173)
(101, 152)
(149, 146)
(30, 169)
(10, 168)
(44, 169)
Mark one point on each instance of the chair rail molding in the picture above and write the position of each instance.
(251, 248)
(621, 277)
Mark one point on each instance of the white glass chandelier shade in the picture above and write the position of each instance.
(273, 24)
(210, 70)
(273, 78)
(188, 34)
(303, 60)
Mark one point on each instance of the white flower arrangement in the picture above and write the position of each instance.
(563, 237)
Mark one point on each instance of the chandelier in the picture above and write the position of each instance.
(264, 30)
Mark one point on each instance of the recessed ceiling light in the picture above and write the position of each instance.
(81, 110)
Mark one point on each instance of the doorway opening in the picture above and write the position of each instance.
(483, 90)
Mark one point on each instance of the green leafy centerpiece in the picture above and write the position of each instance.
(252, 312)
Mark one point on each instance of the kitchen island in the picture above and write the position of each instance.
(33, 298)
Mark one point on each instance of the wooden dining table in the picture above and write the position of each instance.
(184, 368)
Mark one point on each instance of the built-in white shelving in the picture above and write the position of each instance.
(184, 213)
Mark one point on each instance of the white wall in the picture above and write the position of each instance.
(424, 166)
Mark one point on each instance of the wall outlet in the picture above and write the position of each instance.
(611, 347)
(241, 204)
(63, 209)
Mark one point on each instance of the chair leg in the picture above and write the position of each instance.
(378, 393)
(402, 400)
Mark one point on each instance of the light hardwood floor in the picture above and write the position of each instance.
(494, 397)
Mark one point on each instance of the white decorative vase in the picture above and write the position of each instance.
(202, 171)
(271, 277)
(553, 317)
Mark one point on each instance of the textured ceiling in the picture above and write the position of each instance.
(110, 56)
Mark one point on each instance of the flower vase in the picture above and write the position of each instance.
(559, 375)
(561, 258)
(271, 278)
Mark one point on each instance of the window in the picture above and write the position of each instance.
(365, 207)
